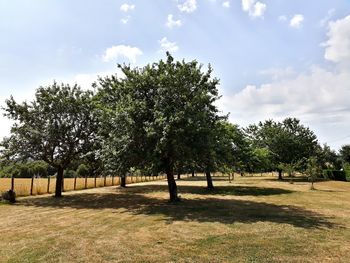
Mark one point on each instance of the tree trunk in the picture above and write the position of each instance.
(172, 185)
(179, 176)
(280, 175)
(210, 185)
(192, 173)
(59, 182)
(123, 181)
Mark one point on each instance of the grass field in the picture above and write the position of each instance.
(253, 219)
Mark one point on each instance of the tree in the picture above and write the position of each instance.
(328, 158)
(344, 153)
(82, 170)
(313, 170)
(288, 142)
(158, 117)
(57, 127)
(233, 152)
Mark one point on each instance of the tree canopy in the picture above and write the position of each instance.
(58, 126)
(288, 142)
(159, 116)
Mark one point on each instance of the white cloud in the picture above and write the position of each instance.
(326, 19)
(226, 4)
(282, 18)
(338, 43)
(278, 73)
(319, 97)
(125, 20)
(116, 52)
(166, 45)
(296, 21)
(173, 23)
(254, 8)
(187, 6)
(126, 8)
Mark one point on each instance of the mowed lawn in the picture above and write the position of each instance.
(252, 219)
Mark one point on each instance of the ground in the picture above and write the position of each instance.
(252, 219)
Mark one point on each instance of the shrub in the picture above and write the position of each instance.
(69, 173)
(82, 170)
(9, 196)
(335, 175)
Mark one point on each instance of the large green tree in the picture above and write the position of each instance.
(159, 116)
(288, 142)
(58, 127)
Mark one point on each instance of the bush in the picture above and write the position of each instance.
(335, 175)
(82, 170)
(69, 173)
(9, 196)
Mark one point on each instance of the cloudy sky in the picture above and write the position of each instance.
(275, 58)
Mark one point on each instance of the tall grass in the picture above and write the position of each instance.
(22, 186)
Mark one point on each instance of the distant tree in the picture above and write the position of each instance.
(39, 168)
(328, 158)
(158, 117)
(57, 127)
(344, 153)
(82, 170)
(288, 142)
(313, 170)
(233, 152)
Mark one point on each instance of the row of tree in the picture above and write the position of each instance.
(160, 118)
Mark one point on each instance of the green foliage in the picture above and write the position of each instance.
(328, 158)
(335, 175)
(344, 153)
(159, 117)
(288, 142)
(57, 127)
(70, 173)
(313, 170)
(82, 170)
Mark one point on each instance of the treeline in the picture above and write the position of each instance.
(157, 119)
(40, 169)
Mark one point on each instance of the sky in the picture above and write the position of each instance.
(274, 58)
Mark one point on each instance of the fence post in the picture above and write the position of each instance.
(75, 183)
(48, 184)
(104, 180)
(112, 180)
(62, 184)
(32, 185)
(95, 181)
(12, 183)
(85, 181)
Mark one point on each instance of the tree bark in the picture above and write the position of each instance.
(210, 185)
(280, 175)
(59, 182)
(123, 181)
(172, 185)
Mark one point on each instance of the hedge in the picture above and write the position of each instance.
(335, 175)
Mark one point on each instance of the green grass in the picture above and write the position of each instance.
(253, 219)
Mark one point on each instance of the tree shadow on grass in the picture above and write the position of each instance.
(234, 190)
(225, 211)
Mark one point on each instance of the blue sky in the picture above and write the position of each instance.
(275, 58)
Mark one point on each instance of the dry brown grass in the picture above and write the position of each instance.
(23, 185)
(253, 219)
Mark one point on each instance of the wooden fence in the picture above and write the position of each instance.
(37, 186)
